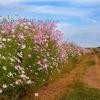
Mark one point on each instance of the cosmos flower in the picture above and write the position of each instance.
(1, 91)
(4, 86)
(36, 94)
(30, 48)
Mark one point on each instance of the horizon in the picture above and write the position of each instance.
(78, 20)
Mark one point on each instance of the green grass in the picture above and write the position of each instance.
(70, 65)
(91, 62)
(80, 92)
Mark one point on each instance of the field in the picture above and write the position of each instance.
(36, 64)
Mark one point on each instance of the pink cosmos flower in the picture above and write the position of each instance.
(45, 66)
(18, 81)
(21, 36)
(38, 38)
(39, 62)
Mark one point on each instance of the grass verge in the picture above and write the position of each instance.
(91, 63)
(81, 92)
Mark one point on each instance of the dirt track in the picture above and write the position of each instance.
(55, 90)
(90, 76)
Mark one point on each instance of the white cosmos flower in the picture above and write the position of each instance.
(26, 27)
(4, 86)
(36, 94)
(1, 46)
(2, 31)
(23, 46)
(10, 74)
(1, 91)
(29, 82)
(13, 30)
(3, 57)
(12, 60)
(29, 55)
(29, 23)
(4, 68)
(4, 39)
(13, 36)
(8, 40)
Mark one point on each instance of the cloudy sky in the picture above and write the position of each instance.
(78, 19)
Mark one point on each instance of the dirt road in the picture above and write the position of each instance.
(92, 76)
(89, 74)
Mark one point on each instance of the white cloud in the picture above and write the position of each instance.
(7, 2)
(70, 29)
(86, 36)
(87, 1)
(67, 11)
(92, 20)
(65, 27)
(4, 2)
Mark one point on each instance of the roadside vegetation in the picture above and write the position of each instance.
(81, 91)
(31, 54)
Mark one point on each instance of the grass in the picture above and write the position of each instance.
(70, 65)
(81, 92)
(91, 63)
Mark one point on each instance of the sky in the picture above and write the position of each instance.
(79, 20)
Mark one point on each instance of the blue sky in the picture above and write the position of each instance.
(79, 20)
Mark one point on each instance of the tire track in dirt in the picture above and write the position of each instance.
(92, 75)
(98, 68)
